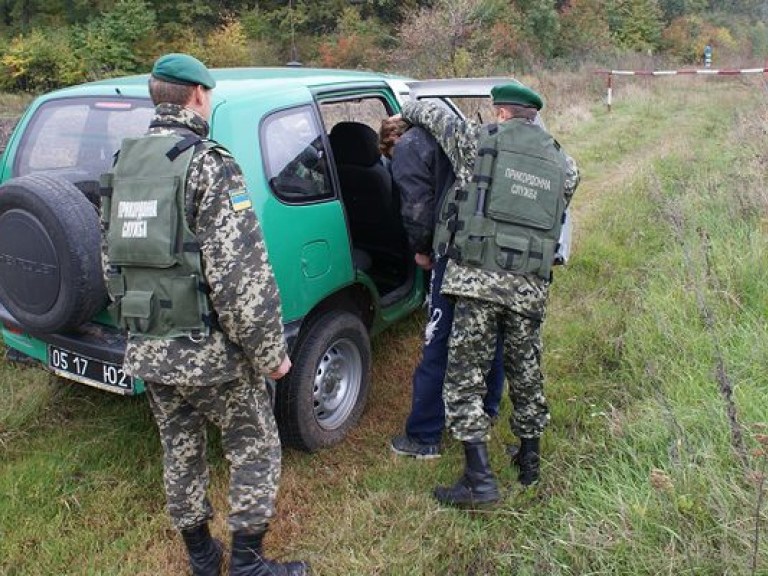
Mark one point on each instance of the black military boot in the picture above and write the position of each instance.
(477, 485)
(204, 551)
(527, 460)
(248, 560)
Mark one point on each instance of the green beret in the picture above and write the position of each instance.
(182, 69)
(516, 93)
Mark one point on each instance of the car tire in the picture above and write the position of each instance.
(326, 390)
(50, 254)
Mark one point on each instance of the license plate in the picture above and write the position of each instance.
(89, 370)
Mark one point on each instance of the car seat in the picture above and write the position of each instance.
(372, 204)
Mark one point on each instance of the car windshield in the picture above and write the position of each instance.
(81, 133)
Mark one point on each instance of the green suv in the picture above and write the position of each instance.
(307, 142)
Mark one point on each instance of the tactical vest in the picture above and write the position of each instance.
(509, 216)
(155, 270)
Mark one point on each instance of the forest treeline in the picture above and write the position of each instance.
(45, 44)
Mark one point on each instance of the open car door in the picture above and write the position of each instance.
(450, 92)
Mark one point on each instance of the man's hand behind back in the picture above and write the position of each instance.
(423, 261)
(285, 366)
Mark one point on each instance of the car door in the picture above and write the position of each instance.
(306, 224)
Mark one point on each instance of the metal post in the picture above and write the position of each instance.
(610, 90)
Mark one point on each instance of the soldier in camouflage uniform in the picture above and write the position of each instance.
(489, 302)
(218, 378)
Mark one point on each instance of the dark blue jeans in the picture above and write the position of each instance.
(426, 421)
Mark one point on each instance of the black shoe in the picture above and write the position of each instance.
(404, 445)
(528, 461)
(204, 551)
(248, 560)
(512, 450)
(477, 486)
(464, 494)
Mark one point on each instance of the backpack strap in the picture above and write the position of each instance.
(182, 145)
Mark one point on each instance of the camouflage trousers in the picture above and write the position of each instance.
(471, 348)
(241, 409)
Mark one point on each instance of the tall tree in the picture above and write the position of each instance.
(107, 44)
(584, 29)
(675, 8)
(433, 41)
(746, 7)
(357, 43)
(541, 25)
(22, 15)
(635, 24)
(388, 12)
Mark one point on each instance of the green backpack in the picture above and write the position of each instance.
(154, 273)
(510, 215)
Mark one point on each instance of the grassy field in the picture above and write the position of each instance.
(655, 352)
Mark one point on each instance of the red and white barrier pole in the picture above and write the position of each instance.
(610, 91)
(686, 71)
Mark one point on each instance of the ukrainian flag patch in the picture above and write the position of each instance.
(239, 199)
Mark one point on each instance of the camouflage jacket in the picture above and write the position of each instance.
(243, 291)
(525, 294)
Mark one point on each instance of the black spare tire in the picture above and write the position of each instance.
(50, 255)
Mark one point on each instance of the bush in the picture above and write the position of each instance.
(107, 45)
(686, 37)
(357, 43)
(227, 46)
(40, 61)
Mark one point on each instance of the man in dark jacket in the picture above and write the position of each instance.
(423, 174)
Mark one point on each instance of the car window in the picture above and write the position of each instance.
(80, 133)
(295, 160)
(370, 111)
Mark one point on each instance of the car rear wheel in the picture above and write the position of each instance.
(325, 392)
(50, 257)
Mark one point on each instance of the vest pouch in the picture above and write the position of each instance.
(186, 313)
(542, 253)
(479, 229)
(116, 291)
(512, 252)
(115, 285)
(138, 310)
(143, 222)
(472, 252)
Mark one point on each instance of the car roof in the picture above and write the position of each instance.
(456, 87)
(234, 82)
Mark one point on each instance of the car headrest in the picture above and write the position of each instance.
(355, 143)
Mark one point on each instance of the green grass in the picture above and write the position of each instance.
(651, 465)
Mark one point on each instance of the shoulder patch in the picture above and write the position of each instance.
(239, 199)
